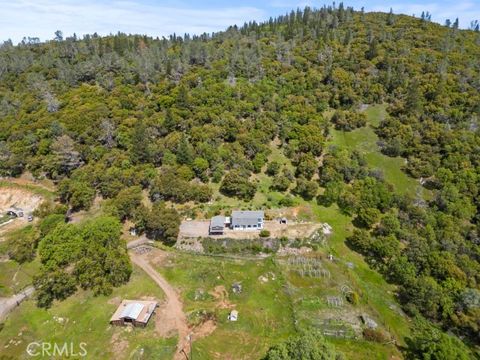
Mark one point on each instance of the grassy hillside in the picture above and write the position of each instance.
(85, 318)
(367, 121)
(366, 141)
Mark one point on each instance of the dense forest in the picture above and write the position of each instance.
(120, 115)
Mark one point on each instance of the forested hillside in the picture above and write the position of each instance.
(179, 117)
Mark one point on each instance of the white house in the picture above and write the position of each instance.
(247, 220)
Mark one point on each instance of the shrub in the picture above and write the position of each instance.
(264, 233)
(375, 335)
(353, 298)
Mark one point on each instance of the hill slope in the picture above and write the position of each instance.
(250, 111)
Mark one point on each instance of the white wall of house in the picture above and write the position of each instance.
(258, 226)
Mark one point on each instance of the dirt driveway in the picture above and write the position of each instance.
(172, 311)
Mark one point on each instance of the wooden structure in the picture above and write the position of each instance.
(135, 312)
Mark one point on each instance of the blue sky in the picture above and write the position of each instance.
(41, 18)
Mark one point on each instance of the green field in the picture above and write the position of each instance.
(85, 318)
(265, 315)
(15, 277)
(365, 141)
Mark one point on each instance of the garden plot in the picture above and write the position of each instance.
(322, 294)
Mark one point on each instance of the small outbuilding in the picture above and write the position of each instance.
(233, 315)
(135, 312)
(217, 225)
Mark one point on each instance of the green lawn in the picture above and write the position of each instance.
(15, 277)
(85, 318)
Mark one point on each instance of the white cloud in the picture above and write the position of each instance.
(465, 11)
(41, 18)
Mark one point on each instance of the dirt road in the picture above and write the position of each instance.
(140, 241)
(172, 309)
(8, 304)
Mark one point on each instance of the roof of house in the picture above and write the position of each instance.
(217, 221)
(246, 217)
(132, 310)
(137, 310)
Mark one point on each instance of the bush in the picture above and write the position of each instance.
(239, 246)
(49, 223)
(375, 335)
(264, 233)
(22, 244)
(287, 201)
(311, 345)
(353, 298)
(348, 120)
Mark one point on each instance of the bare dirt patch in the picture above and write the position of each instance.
(221, 296)
(119, 345)
(20, 198)
(82, 215)
(27, 179)
(299, 213)
(115, 301)
(204, 329)
(158, 258)
(164, 321)
(193, 229)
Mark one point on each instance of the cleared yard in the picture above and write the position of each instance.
(199, 228)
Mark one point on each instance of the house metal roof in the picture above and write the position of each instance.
(138, 310)
(246, 217)
(247, 214)
(132, 311)
(217, 221)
